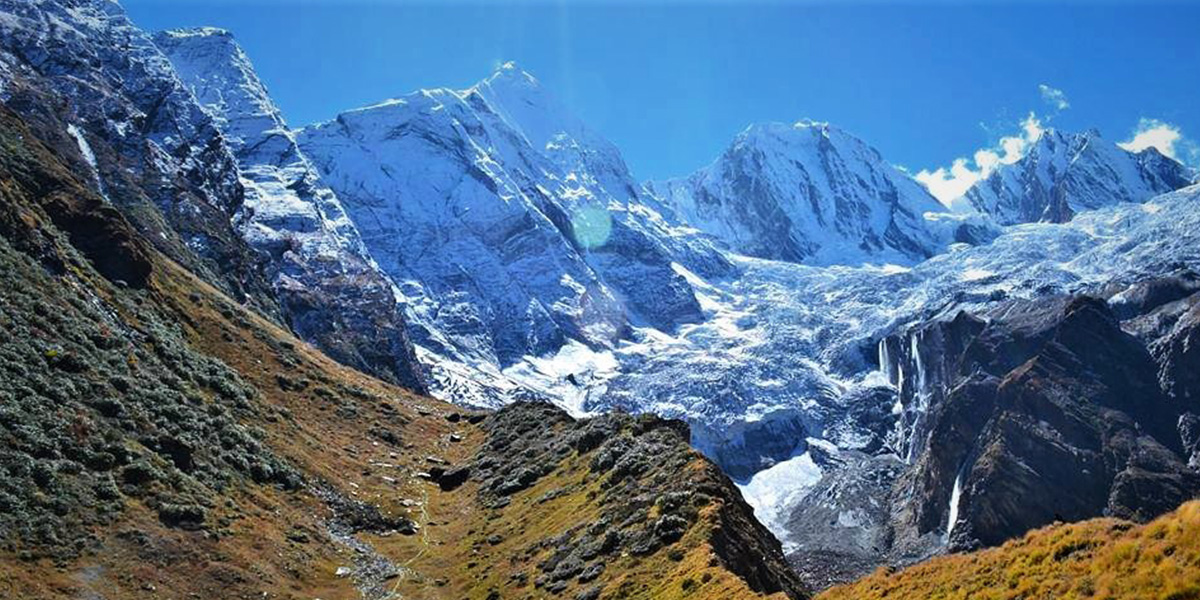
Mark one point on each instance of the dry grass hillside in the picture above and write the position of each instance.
(1104, 559)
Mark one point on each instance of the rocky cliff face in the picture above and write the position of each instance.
(1038, 412)
(807, 193)
(330, 289)
(1006, 418)
(96, 89)
(1065, 173)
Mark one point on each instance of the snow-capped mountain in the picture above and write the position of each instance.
(807, 193)
(1065, 173)
(331, 290)
(462, 231)
(640, 245)
(509, 235)
(96, 89)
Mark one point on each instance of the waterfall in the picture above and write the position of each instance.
(922, 383)
(88, 155)
(955, 497)
(885, 363)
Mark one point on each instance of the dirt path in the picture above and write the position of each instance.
(371, 572)
(408, 570)
(424, 528)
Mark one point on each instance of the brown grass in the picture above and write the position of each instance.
(1103, 559)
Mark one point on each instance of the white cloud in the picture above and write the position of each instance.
(1054, 97)
(949, 184)
(1167, 138)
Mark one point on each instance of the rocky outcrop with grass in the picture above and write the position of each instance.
(650, 487)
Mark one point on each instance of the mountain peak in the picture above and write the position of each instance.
(807, 192)
(780, 128)
(1063, 173)
(809, 124)
(221, 77)
(198, 32)
(805, 137)
(510, 76)
(509, 67)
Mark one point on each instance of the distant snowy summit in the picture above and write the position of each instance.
(1063, 174)
(812, 193)
(807, 193)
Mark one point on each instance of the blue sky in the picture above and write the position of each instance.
(671, 83)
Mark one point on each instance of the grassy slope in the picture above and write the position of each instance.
(1100, 558)
(262, 541)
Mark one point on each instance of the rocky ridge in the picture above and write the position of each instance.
(330, 289)
(96, 89)
(1065, 173)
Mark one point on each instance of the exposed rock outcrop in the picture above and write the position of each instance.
(653, 489)
(1040, 411)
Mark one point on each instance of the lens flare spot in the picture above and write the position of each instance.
(592, 226)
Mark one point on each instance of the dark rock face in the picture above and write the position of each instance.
(640, 272)
(1189, 430)
(1178, 356)
(95, 228)
(918, 365)
(1040, 411)
(645, 467)
(745, 448)
(1027, 412)
(353, 316)
(95, 89)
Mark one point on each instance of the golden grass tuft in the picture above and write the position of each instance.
(1104, 559)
